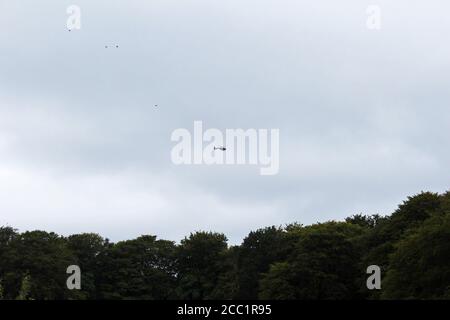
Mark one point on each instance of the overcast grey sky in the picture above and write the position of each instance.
(363, 115)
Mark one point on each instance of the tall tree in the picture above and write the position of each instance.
(258, 251)
(202, 261)
(143, 268)
(10, 277)
(381, 240)
(41, 259)
(419, 268)
(323, 265)
(86, 248)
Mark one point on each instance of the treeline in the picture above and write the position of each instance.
(320, 261)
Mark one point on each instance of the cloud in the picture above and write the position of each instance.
(363, 115)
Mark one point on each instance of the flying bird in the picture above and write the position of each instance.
(220, 148)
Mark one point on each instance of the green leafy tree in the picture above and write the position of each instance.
(10, 277)
(409, 215)
(41, 259)
(25, 289)
(445, 203)
(228, 283)
(323, 265)
(258, 251)
(381, 241)
(279, 283)
(86, 248)
(419, 268)
(143, 268)
(202, 261)
(364, 220)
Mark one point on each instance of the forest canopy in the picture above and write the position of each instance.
(322, 261)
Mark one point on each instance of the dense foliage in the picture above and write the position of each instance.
(321, 261)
